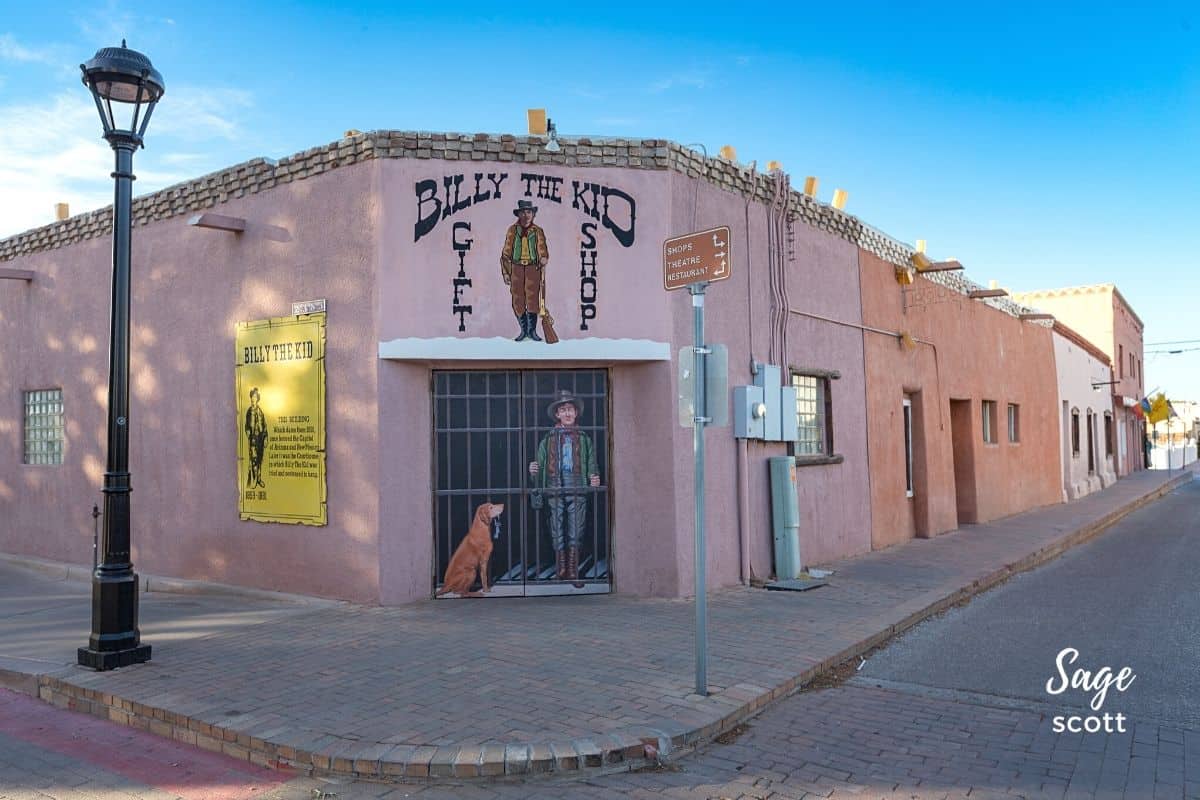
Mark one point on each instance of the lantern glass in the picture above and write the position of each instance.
(123, 76)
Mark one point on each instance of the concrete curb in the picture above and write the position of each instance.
(266, 744)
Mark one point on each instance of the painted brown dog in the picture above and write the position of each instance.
(472, 555)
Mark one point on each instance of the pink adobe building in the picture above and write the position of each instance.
(1103, 316)
(432, 408)
(961, 420)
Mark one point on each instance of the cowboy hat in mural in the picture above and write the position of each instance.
(523, 266)
(524, 205)
(564, 398)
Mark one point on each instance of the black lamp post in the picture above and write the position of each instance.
(124, 77)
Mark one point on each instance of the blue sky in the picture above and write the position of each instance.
(1042, 144)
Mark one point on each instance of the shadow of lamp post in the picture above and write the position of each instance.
(119, 79)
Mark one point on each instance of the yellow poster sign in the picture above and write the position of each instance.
(281, 419)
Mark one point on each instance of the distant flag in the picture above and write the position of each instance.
(1139, 409)
(1160, 409)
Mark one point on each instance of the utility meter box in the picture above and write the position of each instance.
(748, 412)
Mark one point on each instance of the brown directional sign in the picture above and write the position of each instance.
(696, 258)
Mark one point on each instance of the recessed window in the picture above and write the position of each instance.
(1108, 434)
(44, 427)
(989, 421)
(908, 448)
(814, 433)
(1091, 439)
(1075, 431)
(1014, 423)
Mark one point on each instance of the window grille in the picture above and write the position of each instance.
(44, 433)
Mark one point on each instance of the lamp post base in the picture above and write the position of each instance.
(102, 660)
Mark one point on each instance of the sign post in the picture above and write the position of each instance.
(694, 261)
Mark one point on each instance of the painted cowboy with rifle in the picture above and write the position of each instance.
(523, 265)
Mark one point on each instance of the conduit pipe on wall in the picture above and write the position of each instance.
(750, 272)
(743, 510)
(899, 336)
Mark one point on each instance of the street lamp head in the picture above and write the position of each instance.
(123, 76)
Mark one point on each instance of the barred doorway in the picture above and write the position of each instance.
(488, 426)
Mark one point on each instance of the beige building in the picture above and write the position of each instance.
(1105, 318)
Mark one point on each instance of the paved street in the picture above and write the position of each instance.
(956, 708)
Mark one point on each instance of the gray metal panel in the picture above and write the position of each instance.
(745, 424)
(789, 425)
(716, 379)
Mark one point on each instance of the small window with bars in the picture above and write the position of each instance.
(44, 427)
(814, 436)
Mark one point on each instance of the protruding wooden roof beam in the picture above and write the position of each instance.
(16, 274)
(218, 222)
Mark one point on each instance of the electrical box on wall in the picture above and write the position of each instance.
(766, 410)
(748, 412)
(768, 379)
(789, 424)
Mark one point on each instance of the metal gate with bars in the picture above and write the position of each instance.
(487, 426)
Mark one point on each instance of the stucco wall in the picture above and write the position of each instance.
(1077, 371)
(822, 277)
(625, 299)
(967, 352)
(191, 286)
(1100, 315)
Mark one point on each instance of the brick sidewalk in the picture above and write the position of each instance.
(467, 689)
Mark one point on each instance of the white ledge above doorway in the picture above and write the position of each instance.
(449, 348)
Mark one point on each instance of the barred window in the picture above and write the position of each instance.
(814, 436)
(44, 427)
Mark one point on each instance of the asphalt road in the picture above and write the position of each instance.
(1127, 599)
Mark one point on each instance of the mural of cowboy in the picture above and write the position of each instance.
(523, 263)
(566, 459)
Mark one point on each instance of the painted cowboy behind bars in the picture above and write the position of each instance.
(523, 263)
(566, 459)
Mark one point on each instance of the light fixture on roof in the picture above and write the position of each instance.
(924, 264)
(541, 125)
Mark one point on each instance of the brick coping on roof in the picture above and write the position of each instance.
(260, 174)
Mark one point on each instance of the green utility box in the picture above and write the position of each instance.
(785, 518)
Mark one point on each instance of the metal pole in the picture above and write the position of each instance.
(701, 419)
(115, 640)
